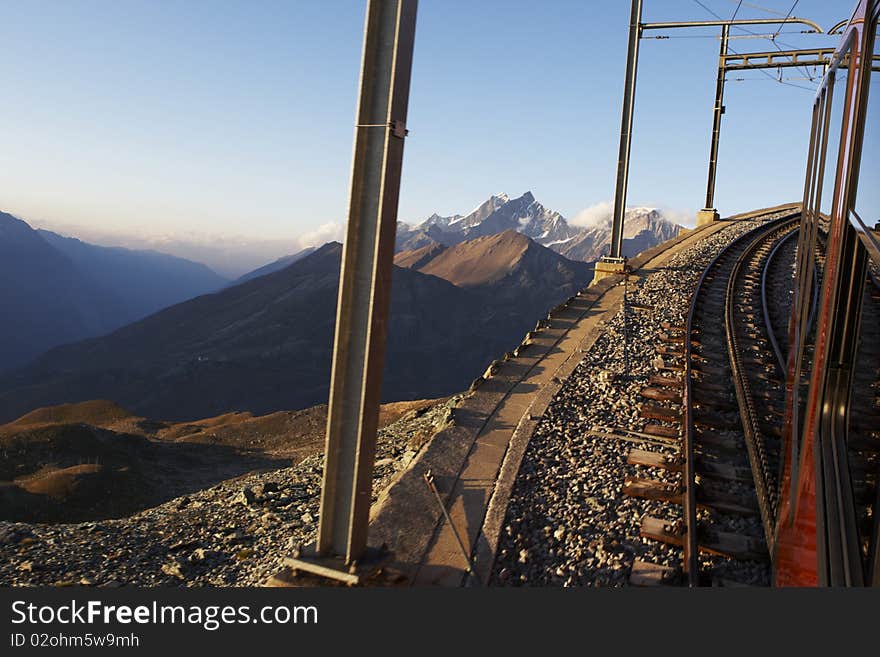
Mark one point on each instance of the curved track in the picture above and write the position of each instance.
(732, 400)
(758, 364)
(566, 520)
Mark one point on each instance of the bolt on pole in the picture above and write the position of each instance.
(626, 123)
(365, 278)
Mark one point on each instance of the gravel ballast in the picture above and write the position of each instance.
(567, 523)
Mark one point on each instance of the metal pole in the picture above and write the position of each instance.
(365, 278)
(626, 121)
(716, 121)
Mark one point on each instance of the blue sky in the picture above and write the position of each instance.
(235, 118)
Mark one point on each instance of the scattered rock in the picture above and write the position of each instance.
(173, 569)
(199, 554)
(199, 539)
(245, 496)
(261, 489)
(244, 553)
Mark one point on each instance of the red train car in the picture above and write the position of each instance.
(827, 531)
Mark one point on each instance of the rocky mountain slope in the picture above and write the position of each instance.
(642, 229)
(95, 460)
(265, 344)
(513, 273)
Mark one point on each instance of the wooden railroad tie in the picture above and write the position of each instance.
(653, 429)
(717, 403)
(728, 502)
(652, 489)
(645, 573)
(672, 352)
(719, 441)
(664, 366)
(653, 412)
(661, 394)
(722, 544)
(669, 326)
(716, 420)
(665, 381)
(726, 471)
(712, 371)
(670, 462)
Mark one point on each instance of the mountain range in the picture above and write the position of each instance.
(58, 289)
(516, 275)
(643, 228)
(265, 344)
(465, 290)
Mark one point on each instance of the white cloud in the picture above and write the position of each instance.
(601, 213)
(329, 232)
(686, 218)
(594, 215)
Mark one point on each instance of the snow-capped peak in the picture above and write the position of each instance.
(584, 238)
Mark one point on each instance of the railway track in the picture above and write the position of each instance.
(721, 392)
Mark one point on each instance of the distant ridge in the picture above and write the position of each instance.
(265, 345)
(276, 265)
(145, 281)
(59, 289)
(643, 228)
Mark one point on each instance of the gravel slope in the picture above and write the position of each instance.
(232, 534)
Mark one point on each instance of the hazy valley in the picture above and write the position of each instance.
(58, 289)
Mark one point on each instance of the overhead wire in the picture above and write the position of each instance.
(736, 11)
(773, 37)
(767, 80)
(806, 72)
(787, 16)
(716, 37)
(758, 7)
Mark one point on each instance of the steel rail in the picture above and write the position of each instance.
(689, 499)
(766, 492)
(818, 268)
(771, 332)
